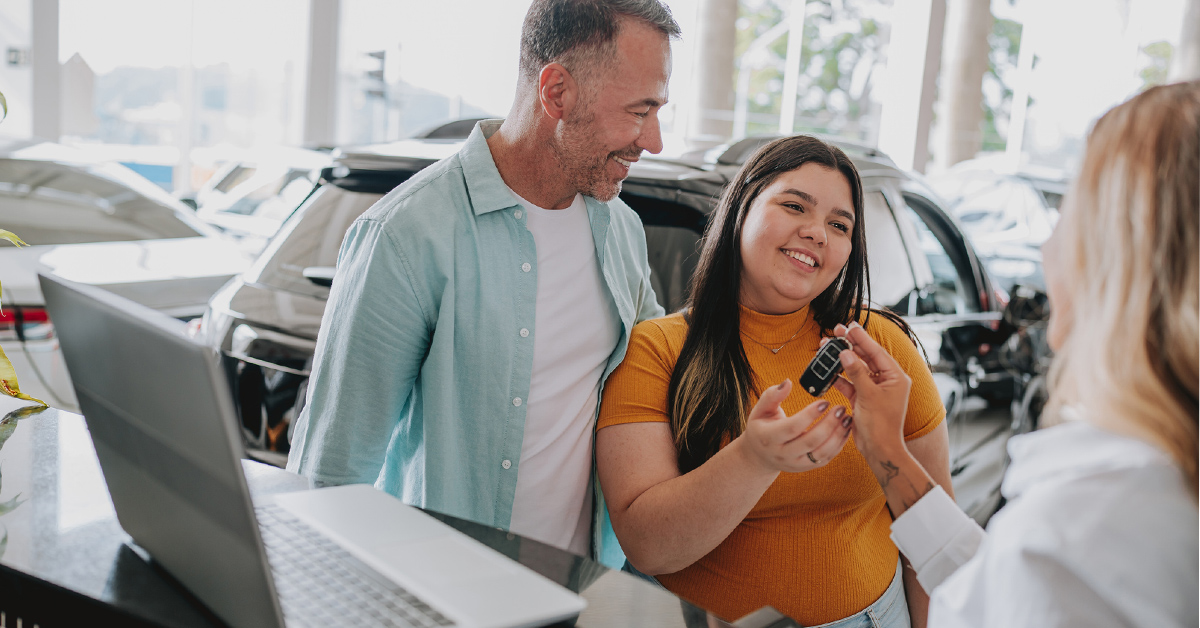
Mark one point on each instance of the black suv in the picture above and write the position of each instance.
(265, 321)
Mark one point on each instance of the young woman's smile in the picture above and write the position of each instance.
(796, 239)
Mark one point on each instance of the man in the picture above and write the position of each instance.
(478, 307)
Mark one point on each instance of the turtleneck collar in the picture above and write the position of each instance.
(773, 329)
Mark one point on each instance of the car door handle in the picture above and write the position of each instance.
(320, 275)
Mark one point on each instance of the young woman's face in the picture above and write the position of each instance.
(796, 239)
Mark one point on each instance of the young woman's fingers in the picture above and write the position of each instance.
(810, 434)
(832, 446)
(767, 406)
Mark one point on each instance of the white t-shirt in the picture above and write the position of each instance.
(575, 331)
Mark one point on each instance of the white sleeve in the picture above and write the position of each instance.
(937, 537)
(1022, 581)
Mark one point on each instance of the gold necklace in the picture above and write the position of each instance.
(776, 350)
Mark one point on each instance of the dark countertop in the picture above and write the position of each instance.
(65, 559)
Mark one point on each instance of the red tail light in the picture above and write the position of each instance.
(26, 322)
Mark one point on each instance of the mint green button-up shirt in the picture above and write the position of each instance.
(421, 371)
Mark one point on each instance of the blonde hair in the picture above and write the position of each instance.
(1130, 359)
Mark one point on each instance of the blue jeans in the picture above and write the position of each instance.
(889, 611)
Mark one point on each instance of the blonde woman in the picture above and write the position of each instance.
(1101, 523)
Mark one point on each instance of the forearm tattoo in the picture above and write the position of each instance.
(890, 472)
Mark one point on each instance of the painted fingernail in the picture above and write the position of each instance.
(854, 324)
(839, 412)
(847, 421)
(823, 406)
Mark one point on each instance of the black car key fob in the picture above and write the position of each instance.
(824, 368)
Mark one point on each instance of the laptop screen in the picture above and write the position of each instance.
(162, 421)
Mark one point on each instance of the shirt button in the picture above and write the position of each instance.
(526, 267)
(518, 214)
(524, 333)
(507, 464)
(516, 401)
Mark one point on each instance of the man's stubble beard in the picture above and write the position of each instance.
(577, 157)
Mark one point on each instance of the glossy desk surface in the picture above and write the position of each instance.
(64, 556)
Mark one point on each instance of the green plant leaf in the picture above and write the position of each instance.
(8, 375)
(6, 430)
(8, 381)
(11, 504)
(3, 115)
(12, 237)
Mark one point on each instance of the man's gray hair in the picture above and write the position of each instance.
(581, 34)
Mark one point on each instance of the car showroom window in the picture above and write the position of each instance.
(891, 272)
(944, 292)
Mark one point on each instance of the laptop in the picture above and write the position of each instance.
(162, 420)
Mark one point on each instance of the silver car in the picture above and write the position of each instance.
(96, 222)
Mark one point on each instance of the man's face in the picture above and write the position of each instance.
(616, 117)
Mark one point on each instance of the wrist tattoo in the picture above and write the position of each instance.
(890, 471)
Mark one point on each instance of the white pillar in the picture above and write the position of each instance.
(320, 94)
(960, 94)
(47, 101)
(791, 72)
(910, 83)
(709, 122)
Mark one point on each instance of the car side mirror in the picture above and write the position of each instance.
(320, 275)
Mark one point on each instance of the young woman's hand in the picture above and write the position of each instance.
(800, 442)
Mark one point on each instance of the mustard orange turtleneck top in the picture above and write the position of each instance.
(816, 546)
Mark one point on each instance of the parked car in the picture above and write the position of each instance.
(100, 223)
(265, 321)
(1008, 213)
(250, 197)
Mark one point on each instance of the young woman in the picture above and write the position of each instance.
(732, 487)
(1100, 526)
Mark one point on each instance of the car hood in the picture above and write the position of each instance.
(177, 275)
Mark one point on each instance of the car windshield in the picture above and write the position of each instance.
(48, 202)
(275, 198)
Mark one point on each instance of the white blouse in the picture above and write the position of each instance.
(1099, 530)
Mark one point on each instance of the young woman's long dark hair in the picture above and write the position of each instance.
(708, 398)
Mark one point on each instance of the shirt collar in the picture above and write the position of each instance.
(485, 187)
(1072, 450)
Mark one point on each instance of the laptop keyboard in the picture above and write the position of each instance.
(322, 584)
